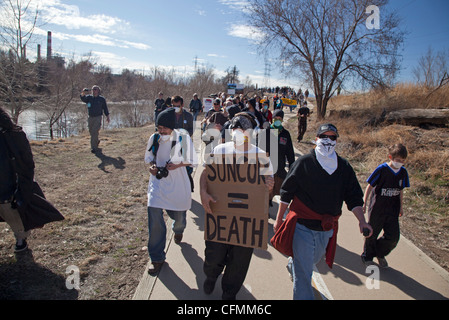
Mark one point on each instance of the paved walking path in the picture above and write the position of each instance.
(412, 275)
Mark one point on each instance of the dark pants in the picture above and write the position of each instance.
(381, 247)
(234, 260)
(302, 127)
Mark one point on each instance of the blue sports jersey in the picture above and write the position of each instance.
(387, 186)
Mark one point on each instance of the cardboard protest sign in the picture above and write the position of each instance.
(208, 103)
(240, 214)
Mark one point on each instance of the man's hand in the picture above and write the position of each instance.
(206, 199)
(269, 182)
(153, 169)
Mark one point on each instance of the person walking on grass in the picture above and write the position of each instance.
(96, 106)
(384, 195)
(22, 203)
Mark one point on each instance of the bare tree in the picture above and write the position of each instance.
(329, 41)
(17, 74)
(432, 70)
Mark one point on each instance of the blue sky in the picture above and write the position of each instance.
(138, 34)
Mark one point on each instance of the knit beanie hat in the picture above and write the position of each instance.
(278, 113)
(167, 118)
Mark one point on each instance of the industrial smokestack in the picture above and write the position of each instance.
(49, 45)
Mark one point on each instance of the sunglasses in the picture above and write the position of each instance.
(325, 136)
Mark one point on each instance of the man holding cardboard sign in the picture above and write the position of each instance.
(237, 175)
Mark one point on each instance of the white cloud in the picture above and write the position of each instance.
(238, 5)
(100, 27)
(246, 32)
(214, 55)
(69, 16)
(98, 39)
(201, 13)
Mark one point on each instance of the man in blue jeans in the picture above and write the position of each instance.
(315, 188)
(168, 152)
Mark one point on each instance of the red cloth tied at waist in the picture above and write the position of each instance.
(283, 239)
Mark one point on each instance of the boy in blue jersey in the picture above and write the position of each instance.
(385, 188)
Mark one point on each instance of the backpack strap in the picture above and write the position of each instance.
(155, 147)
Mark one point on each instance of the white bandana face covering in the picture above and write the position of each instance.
(326, 155)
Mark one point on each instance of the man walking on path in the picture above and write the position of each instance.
(303, 115)
(233, 259)
(96, 106)
(183, 118)
(196, 106)
(315, 188)
(168, 152)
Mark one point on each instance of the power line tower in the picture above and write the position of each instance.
(267, 73)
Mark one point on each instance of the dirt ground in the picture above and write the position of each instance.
(104, 234)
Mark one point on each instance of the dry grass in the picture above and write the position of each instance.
(403, 96)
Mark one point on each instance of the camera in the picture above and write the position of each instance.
(86, 90)
(162, 172)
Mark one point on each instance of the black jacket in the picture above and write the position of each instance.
(95, 105)
(285, 153)
(319, 191)
(35, 211)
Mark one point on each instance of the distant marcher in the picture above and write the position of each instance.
(159, 106)
(315, 188)
(303, 115)
(385, 190)
(196, 106)
(262, 122)
(234, 260)
(184, 119)
(96, 106)
(22, 203)
(169, 152)
(301, 100)
(285, 152)
(266, 111)
(216, 107)
(306, 94)
(278, 103)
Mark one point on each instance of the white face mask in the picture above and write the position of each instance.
(397, 165)
(165, 138)
(239, 137)
(326, 147)
(326, 155)
(177, 109)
